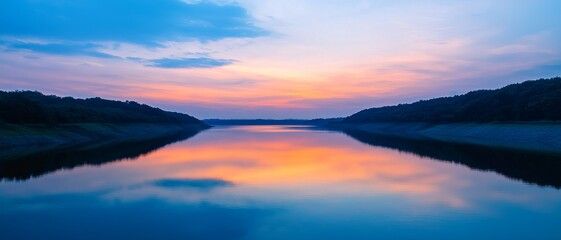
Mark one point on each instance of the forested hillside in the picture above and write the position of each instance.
(538, 100)
(28, 107)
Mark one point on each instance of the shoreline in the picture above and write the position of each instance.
(13, 137)
(22, 163)
(532, 136)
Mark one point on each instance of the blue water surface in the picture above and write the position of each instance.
(278, 182)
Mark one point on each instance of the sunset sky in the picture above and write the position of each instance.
(275, 59)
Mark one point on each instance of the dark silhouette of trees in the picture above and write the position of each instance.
(538, 100)
(29, 107)
(34, 164)
(528, 166)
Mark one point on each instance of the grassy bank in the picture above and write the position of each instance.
(526, 136)
(45, 136)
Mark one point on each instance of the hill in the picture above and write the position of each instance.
(537, 100)
(30, 107)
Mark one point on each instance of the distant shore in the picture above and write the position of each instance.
(317, 121)
(49, 136)
(533, 136)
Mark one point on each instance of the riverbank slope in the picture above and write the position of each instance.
(47, 136)
(30, 119)
(534, 136)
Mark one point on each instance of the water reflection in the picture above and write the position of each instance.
(201, 184)
(532, 167)
(278, 182)
(23, 164)
(72, 216)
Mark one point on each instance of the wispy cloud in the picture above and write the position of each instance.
(275, 59)
(143, 22)
(69, 49)
(189, 63)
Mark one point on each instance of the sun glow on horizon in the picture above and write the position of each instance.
(271, 59)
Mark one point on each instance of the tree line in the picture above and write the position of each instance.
(537, 100)
(32, 107)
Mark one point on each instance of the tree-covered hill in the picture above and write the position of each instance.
(538, 100)
(29, 107)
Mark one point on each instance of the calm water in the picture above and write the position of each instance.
(281, 182)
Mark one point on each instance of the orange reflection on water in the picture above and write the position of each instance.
(324, 162)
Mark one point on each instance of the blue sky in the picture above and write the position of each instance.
(275, 59)
(144, 22)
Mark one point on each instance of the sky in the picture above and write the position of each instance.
(275, 59)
